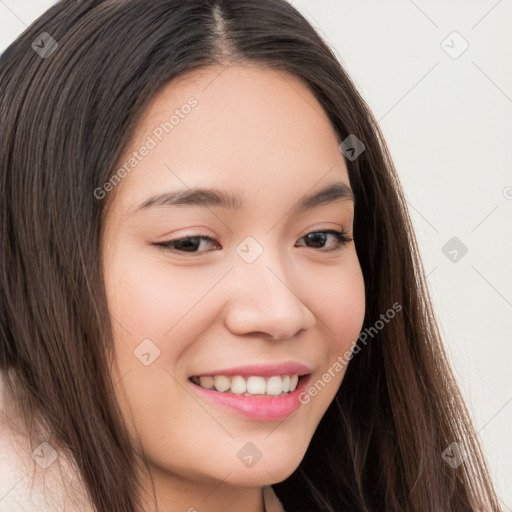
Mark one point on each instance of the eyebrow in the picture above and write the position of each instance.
(206, 197)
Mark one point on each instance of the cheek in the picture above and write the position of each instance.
(149, 298)
(348, 321)
(338, 301)
(153, 324)
(150, 305)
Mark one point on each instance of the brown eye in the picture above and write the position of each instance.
(319, 238)
(189, 244)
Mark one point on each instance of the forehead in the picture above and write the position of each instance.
(250, 128)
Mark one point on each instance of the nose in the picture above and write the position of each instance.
(265, 300)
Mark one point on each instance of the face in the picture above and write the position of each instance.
(246, 295)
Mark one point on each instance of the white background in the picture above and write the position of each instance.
(448, 123)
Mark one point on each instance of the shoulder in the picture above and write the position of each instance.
(33, 476)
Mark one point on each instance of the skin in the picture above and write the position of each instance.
(263, 134)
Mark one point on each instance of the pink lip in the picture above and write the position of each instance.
(263, 370)
(257, 407)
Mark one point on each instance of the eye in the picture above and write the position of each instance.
(188, 244)
(191, 244)
(320, 237)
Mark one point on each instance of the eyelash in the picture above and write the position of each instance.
(341, 237)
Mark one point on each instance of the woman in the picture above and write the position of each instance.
(211, 292)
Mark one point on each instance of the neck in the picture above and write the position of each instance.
(175, 493)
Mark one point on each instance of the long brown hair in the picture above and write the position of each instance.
(66, 116)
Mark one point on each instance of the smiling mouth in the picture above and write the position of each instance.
(249, 385)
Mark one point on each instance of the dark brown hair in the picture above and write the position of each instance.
(65, 120)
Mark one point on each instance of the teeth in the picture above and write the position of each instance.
(221, 383)
(256, 385)
(206, 382)
(286, 384)
(238, 385)
(275, 385)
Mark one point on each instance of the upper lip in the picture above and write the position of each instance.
(264, 370)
